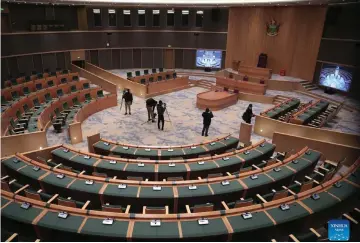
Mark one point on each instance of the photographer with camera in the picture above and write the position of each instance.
(150, 106)
(207, 115)
(161, 110)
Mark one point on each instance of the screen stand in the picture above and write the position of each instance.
(207, 69)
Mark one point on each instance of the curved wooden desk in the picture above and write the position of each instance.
(242, 86)
(215, 100)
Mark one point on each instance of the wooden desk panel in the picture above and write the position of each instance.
(242, 86)
(166, 86)
(255, 71)
(153, 75)
(215, 100)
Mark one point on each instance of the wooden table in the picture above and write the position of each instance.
(215, 100)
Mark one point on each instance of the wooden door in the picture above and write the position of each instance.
(169, 59)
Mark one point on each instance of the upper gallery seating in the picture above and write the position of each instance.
(253, 219)
(106, 147)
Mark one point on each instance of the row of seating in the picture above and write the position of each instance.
(28, 109)
(12, 94)
(282, 108)
(249, 222)
(220, 145)
(34, 75)
(234, 161)
(175, 194)
(309, 112)
(145, 72)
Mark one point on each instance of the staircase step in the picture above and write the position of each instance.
(312, 88)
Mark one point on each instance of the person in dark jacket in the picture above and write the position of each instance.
(161, 110)
(128, 97)
(150, 106)
(248, 114)
(207, 116)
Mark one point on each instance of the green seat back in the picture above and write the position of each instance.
(100, 93)
(86, 85)
(26, 90)
(36, 102)
(38, 86)
(59, 92)
(18, 114)
(47, 97)
(15, 94)
(87, 96)
(26, 108)
(73, 88)
(50, 83)
(75, 101)
(66, 106)
(13, 81)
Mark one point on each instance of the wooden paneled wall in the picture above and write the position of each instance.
(294, 49)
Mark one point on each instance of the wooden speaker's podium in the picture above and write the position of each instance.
(245, 133)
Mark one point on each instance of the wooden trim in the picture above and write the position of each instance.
(188, 209)
(11, 237)
(261, 198)
(270, 217)
(304, 206)
(85, 205)
(5, 177)
(315, 232)
(22, 167)
(71, 183)
(44, 175)
(3, 206)
(334, 196)
(212, 191)
(243, 184)
(138, 192)
(269, 176)
(97, 162)
(350, 218)
(352, 183)
(341, 64)
(130, 230)
(228, 227)
(338, 39)
(82, 224)
(37, 219)
(273, 240)
(53, 198)
(180, 230)
(127, 210)
(21, 189)
(37, 240)
(294, 238)
(357, 210)
(103, 188)
(224, 205)
(293, 170)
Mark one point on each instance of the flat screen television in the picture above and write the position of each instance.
(208, 58)
(336, 77)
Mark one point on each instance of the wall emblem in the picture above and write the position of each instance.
(272, 28)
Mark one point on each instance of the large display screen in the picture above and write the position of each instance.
(335, 77)
(208, 58)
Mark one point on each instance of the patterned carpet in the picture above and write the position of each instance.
(186, 121)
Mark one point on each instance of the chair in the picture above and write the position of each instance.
(73, 88)
(167, 76)
(52, 74)
(159, 78)
(15, 95)
(27, 78)
(137, 73)
(16, 127)
(174, 75)
(103, 175)
(214, 175)
(34, 72)
(39, 75)
(26, 90)
(135, 178)
(178, 178)
(155, 210)
(50, 83)
(240, 203)
(27, 111)
(226, 89)
(100, 94)
(13, 81)
(151, 79)
(47, 97)
(59, 93)
(161, 70)
(75, 78)
(142, 81)
(208, 207)
(115, 208)
(129, 74)
(63, 80)
(87, 97)
(153, 70)
(86, 85)
(76, 102)
(65, 71)
(38, 86)
(146, 71)
(66, 108)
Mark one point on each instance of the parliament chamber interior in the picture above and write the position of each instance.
(125, 120)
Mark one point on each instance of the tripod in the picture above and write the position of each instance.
(168, 116)
(121, 103)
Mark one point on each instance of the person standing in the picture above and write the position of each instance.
(128, 97)
(160, 110)
(207, 116)
(150, 106)
(248, 114)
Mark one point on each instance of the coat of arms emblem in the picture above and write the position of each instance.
(272, 28)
